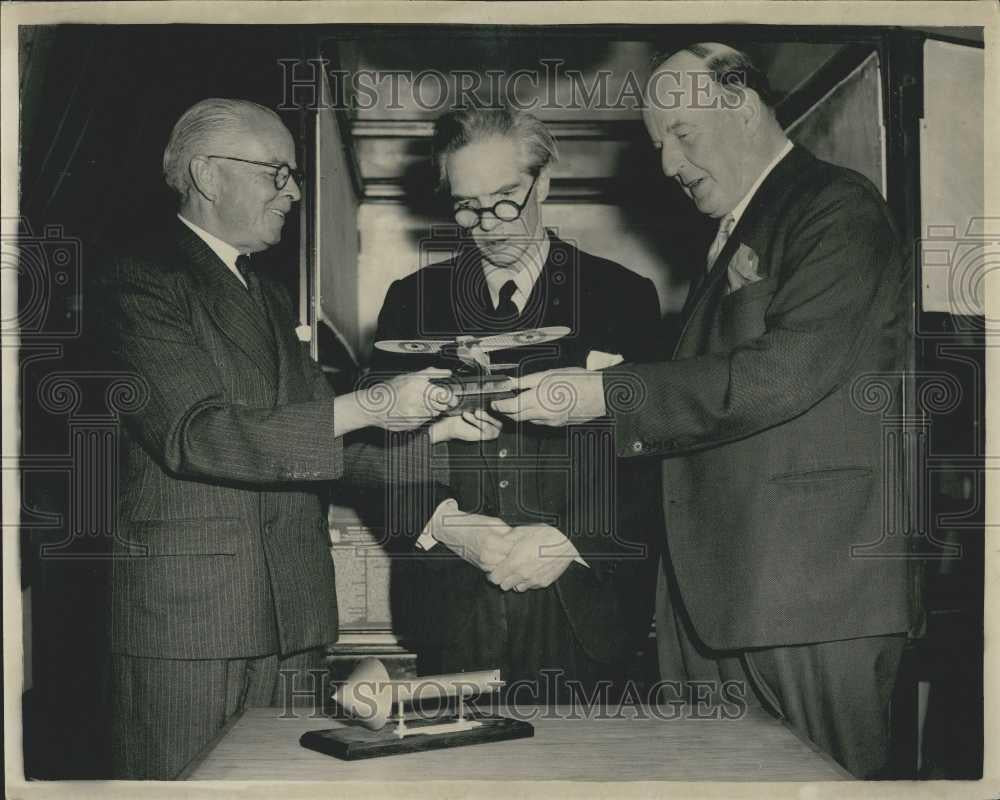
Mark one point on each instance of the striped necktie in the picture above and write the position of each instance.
(726, 226)
(245, 268)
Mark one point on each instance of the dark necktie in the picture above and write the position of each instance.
(506, 309)
(245, 268)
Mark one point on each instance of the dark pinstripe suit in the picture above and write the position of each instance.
(221, 506)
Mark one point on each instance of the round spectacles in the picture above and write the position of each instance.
(282, 172)
(503, 210)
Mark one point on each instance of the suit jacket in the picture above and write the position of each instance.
(221, 545)
(569, 478)
(773, 443)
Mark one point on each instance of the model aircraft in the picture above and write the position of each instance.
(473, 351)
(476, 379)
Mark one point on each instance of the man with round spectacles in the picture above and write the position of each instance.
(504, 210)
(560, 599)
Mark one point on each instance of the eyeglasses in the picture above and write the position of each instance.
(282, 172)
(504, 210)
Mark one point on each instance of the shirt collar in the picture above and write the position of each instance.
(737, 212)
(223, 250)
(524, 278)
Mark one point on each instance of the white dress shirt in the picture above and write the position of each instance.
(222, 249)
(524, 277)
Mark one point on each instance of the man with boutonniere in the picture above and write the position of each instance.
(774, 467)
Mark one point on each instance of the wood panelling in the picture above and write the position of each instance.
(846, 126)
(565, 76)
(580, 159)
(336, 241)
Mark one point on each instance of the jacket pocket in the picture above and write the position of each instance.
(763, 287)
(820, 475)
(206, 536)
(741, 316)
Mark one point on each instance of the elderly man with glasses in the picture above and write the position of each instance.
(222, 578)
(561, 600)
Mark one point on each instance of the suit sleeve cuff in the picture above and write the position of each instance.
(625, 392)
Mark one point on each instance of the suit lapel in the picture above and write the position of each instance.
(467, 300)
(765, 203)
(753, 217)
(229, 304)
(708, 286)
(555, 295)
(292, 383)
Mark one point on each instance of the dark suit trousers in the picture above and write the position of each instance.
(836, 694)
(528, 636)
(166, 711)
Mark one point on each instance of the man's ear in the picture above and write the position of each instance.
(542, 185)
(203, 178)
(750, 110)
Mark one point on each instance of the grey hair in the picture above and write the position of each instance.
(464, 126)
(199, 126)
(729, 67)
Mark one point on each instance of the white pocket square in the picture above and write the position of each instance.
(598, 359)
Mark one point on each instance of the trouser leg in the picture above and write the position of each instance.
(835, 693)
(165, 711)
(298, 680)
(684, 661)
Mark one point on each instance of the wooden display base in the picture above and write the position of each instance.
(352, 743)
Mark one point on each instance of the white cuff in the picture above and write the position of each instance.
(598, 360)
(577, 558)
(426, 539)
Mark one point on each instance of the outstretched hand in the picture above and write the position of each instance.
(408, 401)
(556, 397)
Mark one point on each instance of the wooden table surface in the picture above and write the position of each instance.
(263, 746)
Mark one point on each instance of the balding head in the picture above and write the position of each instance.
(707, 110)
(725, 65)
